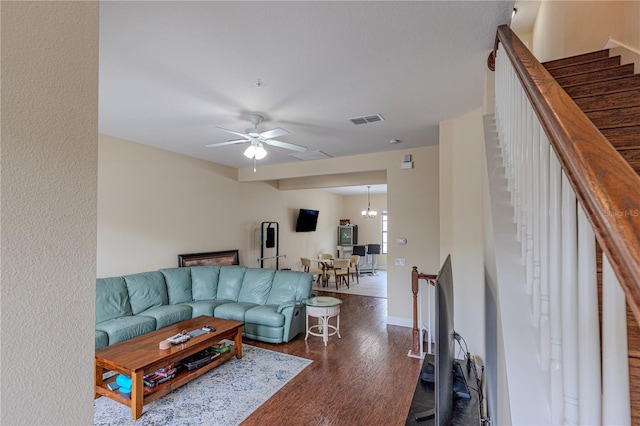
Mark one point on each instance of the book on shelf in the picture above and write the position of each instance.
(155, 380)
(161, 375)
(222, 346)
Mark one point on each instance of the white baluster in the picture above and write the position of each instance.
(535, 218)
(545, 337)
(528, 173)
(522, 176)
(615, 361)
(588, 324)
(569, 304)
(555, 290)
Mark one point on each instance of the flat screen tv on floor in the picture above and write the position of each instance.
(445, 348)
(307, 220)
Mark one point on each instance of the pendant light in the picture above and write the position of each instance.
(368, 213)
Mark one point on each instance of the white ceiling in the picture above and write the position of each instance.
(170, 70)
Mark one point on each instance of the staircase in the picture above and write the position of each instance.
(609, 95)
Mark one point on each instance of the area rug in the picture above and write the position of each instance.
(226, 395)
(374, 286)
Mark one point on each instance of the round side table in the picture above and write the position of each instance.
(323, 308)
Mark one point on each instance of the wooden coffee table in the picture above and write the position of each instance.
(141, 355)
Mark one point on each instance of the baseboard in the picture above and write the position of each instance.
(402, 322)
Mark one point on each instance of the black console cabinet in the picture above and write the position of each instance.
(465, 411)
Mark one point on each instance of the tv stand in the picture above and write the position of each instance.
(465, 411)
(424, 415)
(460, 388)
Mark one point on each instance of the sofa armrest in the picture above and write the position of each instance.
(286, 305)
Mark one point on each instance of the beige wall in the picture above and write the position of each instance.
(48, 195)
(413, 205)
(461, 221)
(154, 205)
(565, 28)
(369, 230)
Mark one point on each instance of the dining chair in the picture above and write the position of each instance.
(325, 256)
(306, 267)
(340, 271)
(354, 266)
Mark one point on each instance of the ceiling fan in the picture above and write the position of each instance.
(258, 139)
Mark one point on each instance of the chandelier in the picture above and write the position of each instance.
(368, 213)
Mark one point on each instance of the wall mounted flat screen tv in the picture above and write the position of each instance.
(307, 220)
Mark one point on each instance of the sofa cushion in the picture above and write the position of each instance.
(256, 285)
(102, 339)
(205, 307)
(124, 328)
(146, 290)
(289, 286)
(265, 315)
(204, 282)
(168, 314)
(230, 282)
(178, 282)
(233, 311)
(263, 333)
(112, 299)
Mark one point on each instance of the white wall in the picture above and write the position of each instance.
(48, 191)
(461, 222)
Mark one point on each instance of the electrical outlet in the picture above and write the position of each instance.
(400, 261)
(401, 241)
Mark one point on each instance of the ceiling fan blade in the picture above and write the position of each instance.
(233, 142)
(247, 137)
(274, 133)
(286, 145)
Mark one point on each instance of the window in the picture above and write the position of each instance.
(385, 232)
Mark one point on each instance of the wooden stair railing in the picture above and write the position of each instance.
(589, 108)
(604, 183)
(417, 338)
(613, 105)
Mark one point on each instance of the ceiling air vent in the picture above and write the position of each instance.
(367, 119)
(310, 155)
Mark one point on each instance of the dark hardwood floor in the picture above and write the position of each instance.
(364, 378)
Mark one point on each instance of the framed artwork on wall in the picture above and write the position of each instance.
(219, 258)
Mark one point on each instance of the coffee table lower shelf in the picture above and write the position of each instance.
(167, 387)
(140, 395)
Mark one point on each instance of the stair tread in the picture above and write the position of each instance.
(623, 138)
(589, 66)
(593, 76)
(603, 86)
(626, 98)
(615, 117)
(576, 58)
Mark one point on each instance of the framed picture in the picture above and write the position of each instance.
(219, 258)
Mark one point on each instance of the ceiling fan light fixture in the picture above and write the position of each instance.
(260, 152)
(256, 151)
(250, 152)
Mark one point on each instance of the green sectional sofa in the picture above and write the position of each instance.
(269, 302)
